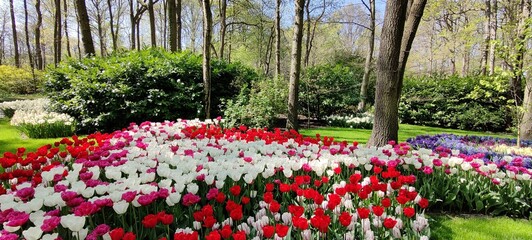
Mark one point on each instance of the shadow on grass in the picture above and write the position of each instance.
(438, 229)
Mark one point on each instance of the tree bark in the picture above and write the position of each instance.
(38, 51)
(525, 129)
(172, 19)
(223, 26)
(111, 23)
(179, 25)
(277, 39)
(30, 57)
(369, 57)
(151, 14)
(410, 28)
(493, 37)
(99, 26)
(86, 36)
(65, 4)
(485, 51)
(295, 67)
(207, 35)
(57, 32)
(520, 49)
(132, 21)
(15, 38)
(386, 123)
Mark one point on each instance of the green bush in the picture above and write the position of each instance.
(471, 103)
(258, 105)
(333, 89)
(19, 80)
(149, 85)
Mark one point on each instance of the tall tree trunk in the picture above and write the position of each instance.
(132, 21)
(520, 48)
(223, 26)
(485, 51)
(369, 57)
(86, 36)
(151, 14)
(111, 24)
(38, 51)
(172, 19)
(99, 26)
(30, 57)
(2, 40)
(493, 37)
(277, 39)
(15, 38)
(207, 35)
(307, 39)
(525, 128)
(69, 53)
(57, 32)
(410, 28)
(386, 123)
(295, 67)
(179, 25)
(312, 34)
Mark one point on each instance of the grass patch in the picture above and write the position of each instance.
(446, 227)
(405, 131)
(11, 139)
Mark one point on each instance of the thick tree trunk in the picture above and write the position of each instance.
(207, 35)
(65, 11)
(277, 39)
(369, 57)
(132, 21)
(493, 37)
(151, 14)
(295, 67)
(172, 19)
(386, 123)
(179, 25)
(223, 26)
(38, 51)
(86, 36)
(525, 129)
(15, 38)
(57, 32)
(410, 29)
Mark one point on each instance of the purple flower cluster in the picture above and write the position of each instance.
(473, 145)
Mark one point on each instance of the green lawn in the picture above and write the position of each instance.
(405, 131)
(11, 139)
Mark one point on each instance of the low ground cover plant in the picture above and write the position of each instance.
(195, 179)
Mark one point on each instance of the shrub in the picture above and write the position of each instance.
(332, 89)
(455, 102)
(258, 105)
(109, 93)
(19, 80)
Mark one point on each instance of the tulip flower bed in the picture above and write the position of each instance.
(191, 179)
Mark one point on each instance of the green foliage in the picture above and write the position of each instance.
(472, 103)
(18, 80)
(258, 105)
(149, 85)
(333, 88)
(48, 130)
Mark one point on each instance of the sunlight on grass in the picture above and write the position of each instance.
(405, 131)
(479, 228)
(11, 139)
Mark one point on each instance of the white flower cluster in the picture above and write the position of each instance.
(364, 120)
(40, 105)
(40, 117)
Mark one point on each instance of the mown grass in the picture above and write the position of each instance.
(405, 131)
(11, 139)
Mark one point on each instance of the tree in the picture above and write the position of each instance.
(179, 25)
(369, 56)
(525, 129)
(98, 14)
(295, 67)
(386, 123)
(114, 34)
(28, 46)
(69, 53)
(14, 27)
(57, 32)
(172, 19)
(207, 35)
(492, 36)
(277, 39)
(223, 26)
(86, 36)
